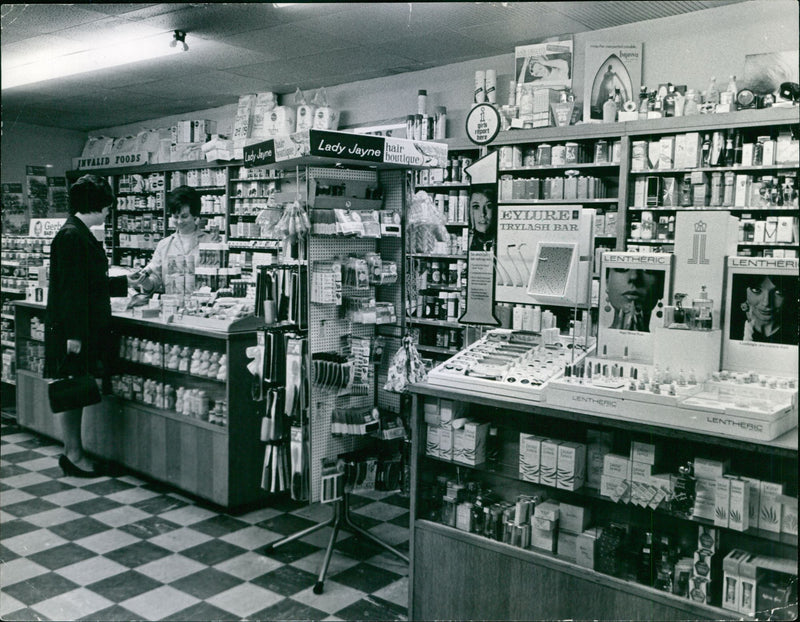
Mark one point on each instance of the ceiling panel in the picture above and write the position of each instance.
(246, 47)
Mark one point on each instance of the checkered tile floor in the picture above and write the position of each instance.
(120, 548)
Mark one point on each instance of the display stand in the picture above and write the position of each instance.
(341, 518)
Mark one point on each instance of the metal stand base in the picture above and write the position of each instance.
(340, 518)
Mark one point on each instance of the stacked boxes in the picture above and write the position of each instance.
(707, 471)
(530, 447)
(570, 466)
(572, 521)
(702, 575)
(544, 524)
(469, 443)
(732, 586)
(598, 445)
(439, 415)
(586, 547)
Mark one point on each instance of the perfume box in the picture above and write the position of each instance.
(769, 518)
(432, 441)
(748, 582)
(643, 452)
(548, 462)
(446, 442)
(722, 499)
(543, 524)
(641, 472)
(700, 589)
(710, 469)
(566, 545)
(639, 156)
(669, 192)
(777, 593)
(705, 496)
(586, 547)
(688, 149)
(747, 154)
(549, 510)
(786, 226)
(731, 586)
(611, 223)
(741, 191)
(469, 443)
(639, 192)
(739, 505)
(666, 159)
(571, 466)
(753, 500)
(615, 488)
(530, 447)
(595, 455)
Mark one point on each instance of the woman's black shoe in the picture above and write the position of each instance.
(71, 470)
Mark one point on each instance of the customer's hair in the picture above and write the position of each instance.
(90, 194)
(184, 195)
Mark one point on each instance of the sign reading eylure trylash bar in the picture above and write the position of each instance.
(347, 146)
(259, 154)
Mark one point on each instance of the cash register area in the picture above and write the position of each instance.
(120, 547)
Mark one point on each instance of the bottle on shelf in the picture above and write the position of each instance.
(706, 151)
(703, 309)
(732, 88)
(610, 110)
(712, 94)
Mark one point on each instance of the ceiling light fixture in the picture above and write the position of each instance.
(114, 55)
(178, 36)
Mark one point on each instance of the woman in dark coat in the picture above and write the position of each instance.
(78, 315)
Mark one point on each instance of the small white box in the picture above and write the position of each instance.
(739, 505)
(469, 443)
(615, 488)
(573, 518)
(786, 226)
(643, 452)
(548, 462)
(530, 447)
(432, 441)
(543, 524)
(571, 466)
(769, 518)
(710, 469)
(617, 466)
(748, 580)
(549, 510)
(722, 500)
(586, 547)
(705, 495)
(754, 500)
(641, 472)
(742, 191)
(758, 231)
(768, 153)
(747, 154)
(446, 442)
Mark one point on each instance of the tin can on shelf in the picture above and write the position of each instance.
(571, 153)
(601, 152)
(544, 155)
(559, 155)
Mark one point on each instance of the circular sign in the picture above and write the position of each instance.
(483, 124)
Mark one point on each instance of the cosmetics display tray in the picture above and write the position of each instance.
(467, 371)
(687, 411)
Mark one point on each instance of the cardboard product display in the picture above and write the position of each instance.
(761, 311)
(634, 289)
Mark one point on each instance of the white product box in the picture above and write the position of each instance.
(770, 507)
(571, 466)
(469, 443)
(789, 515)
(595, 454)
(741, 191)
(530, 447)
(643, 452)
(754, 500)
(731, 585)
(617, 466)
(710, 469)
(449, 410)
(586, 547)
(707, 538)
(615, 488)
(543, 524)
(688, 149)
(747, 154)
(573, 518)
(666, 159)
(567, 545)
(641, 472)
(464, 516)
(700, 589)
(548, 462)
(739, 505)
(705, 496)
(542, 539)
(549, 510)
(432, 441)
(786, 227)
(748, 580)
(758, 231)
(768, 153)
(722, 500)
(430, 408)
(446, 433)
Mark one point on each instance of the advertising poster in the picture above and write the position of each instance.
(544, 64)
(608, 67)
(57, 196)
(523, 231)
(634, 288)
(13, 210)
(760, 330)
(38, 192)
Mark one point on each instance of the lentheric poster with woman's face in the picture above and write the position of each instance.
(761, 313)
(634, 288)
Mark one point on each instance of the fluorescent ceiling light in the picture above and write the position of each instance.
(121, 53)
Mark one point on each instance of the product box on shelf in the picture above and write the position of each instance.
(573, 518)
(788, 514)
(748, 583)
(722, 501)
(548, 462)
(566, 545)
(739, 505)
(586, 547)
(469, 443)
(530, 447)
(731, 581)
(770, 506)
(432, 441)
(571, 465)
(617, 466)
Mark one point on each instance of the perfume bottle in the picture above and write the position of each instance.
(703, 310)
(610, 110)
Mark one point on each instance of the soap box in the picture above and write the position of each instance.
(529, 453)
(641, 472)
(571, 466)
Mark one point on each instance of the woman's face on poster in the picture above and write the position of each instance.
(765, 300)
(629, 287)
(481, 211)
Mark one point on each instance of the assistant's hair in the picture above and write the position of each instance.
(90, 194)
(184, 195)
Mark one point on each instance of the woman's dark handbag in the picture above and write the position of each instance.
(73, 392)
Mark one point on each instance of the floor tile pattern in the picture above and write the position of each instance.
(124, 548)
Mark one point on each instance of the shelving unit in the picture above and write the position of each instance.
(457, 574)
